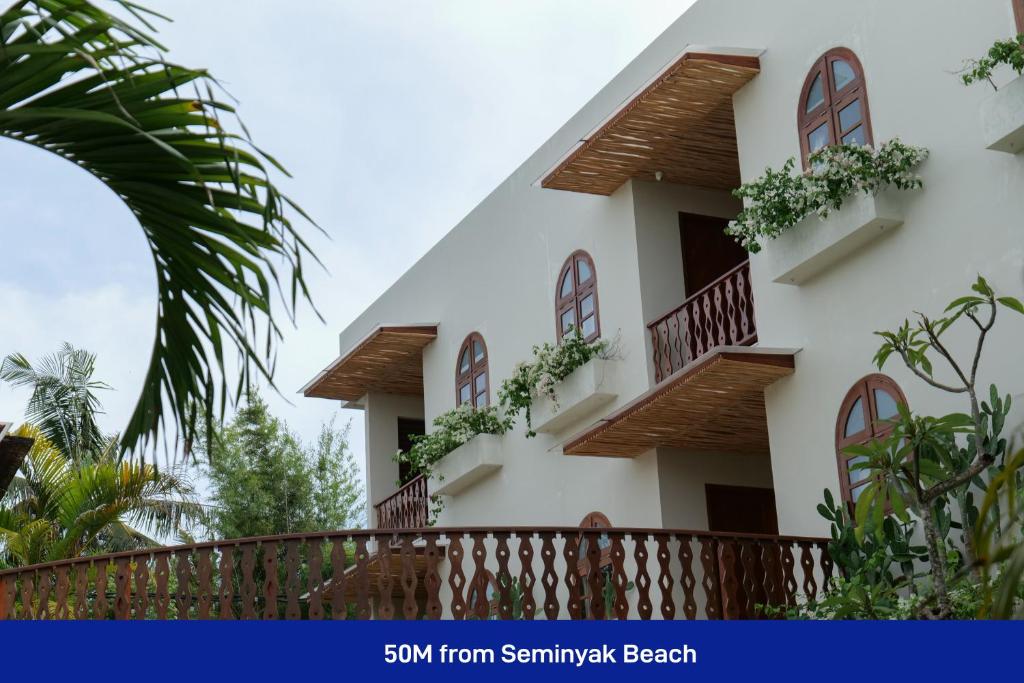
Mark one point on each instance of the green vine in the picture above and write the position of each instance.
(1008, 52)
(550, 365)
(779, 200)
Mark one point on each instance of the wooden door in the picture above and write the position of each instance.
(708, 253)
(407, 429)
(743, 510)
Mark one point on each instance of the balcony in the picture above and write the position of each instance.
(526, 573)
(406, 508)
(721, 314)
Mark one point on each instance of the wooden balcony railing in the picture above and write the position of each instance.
(472, 573)
(406, 508)
(721, 314)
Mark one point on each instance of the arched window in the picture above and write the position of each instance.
(834, 104)
(595, 520)
(1018, 14)
(471, 382)
(863, 419)
(576, 297)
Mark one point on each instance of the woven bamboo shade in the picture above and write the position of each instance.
(714, 404)
(389, 360)
(681, 125)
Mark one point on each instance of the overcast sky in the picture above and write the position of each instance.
(395, 119)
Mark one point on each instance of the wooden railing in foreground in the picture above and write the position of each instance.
(721, 314)
(406, 508)
(481, 573)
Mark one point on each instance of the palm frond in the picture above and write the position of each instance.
(95, 90)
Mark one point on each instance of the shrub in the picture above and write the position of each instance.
(1008, 52)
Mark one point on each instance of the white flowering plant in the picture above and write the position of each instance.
(1008, 52)
(551, 364)
(779, 200)
(451, 430)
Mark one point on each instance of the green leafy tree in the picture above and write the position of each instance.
(95, 89)
(265, 482)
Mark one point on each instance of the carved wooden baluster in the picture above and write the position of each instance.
(44, 583)
(141, 586)
(570, 552)
(656, 351)
(226, 590)
(745, 302)
(100, 604)
(620, 583)
(686, 330)
(548, 577)
(456, 576)
(81, 610)
(339, 600)
(807, 564)
(315, 582)
(122, 583)
(28, 584)
(431, 578)
(711, 582)
(362, 559)
(385, 581)
(270, 581)
(750, 581)
(789, 585)
(292, 586)
(687, 581)
(595, 577)
(482, 607)
(527, 577)
(503, 577)
(248, 583)
(665, 581)
(677, 341)
(8, 596)
(643, 579)
(718, 316)
(183, 599)
(410, 609)
(162, 572)
(730, 313)
(826, 565)
(60, 597)
(733, 598)
(773, 593)
(204, 574)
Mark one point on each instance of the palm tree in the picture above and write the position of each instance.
(94, 89)
(61, 509)
(63, 405)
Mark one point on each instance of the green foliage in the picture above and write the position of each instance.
(779, 200)
(999, 541)
(61, 508)
(451, 430)
(63, 405)
(264, 481)
(96, 90)
(1008, 52)
(550, 365)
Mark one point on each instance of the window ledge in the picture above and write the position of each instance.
(580, 394)
(813, 245)
(1002, 118)
(466, 465)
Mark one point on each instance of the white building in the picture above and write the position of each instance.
(735, 431)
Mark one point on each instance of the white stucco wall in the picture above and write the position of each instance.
(381, 413)
(495, 271)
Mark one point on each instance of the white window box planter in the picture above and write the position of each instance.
(466, 465)
(1002, 118)
(813, 245)
(579, 394)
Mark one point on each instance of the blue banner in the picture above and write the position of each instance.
(694, 651)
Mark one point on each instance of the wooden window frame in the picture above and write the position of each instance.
(476, 368)
(835, 101)
(1018, 15)
(579, 292)
(874, 429)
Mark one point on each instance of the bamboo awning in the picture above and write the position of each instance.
(680, 125)
(714, 404)
(388, 360)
